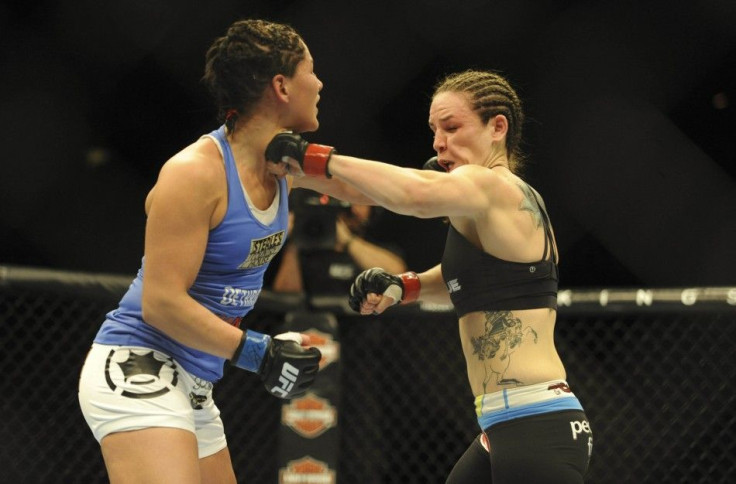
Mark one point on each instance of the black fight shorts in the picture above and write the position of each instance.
(550, 448)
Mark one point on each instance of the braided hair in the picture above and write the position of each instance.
(240, 65)
(490, 94)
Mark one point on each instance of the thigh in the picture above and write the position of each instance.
(474, 466)
(208, 426)
(552, 448)
(217, 468)
(153, 455)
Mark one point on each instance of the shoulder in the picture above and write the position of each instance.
(499, 184)
(195, 174)
(199, 163)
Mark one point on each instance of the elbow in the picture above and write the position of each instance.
(148, 309)
(154, 308)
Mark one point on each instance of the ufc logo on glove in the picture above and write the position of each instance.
(289, 375)
(286, 368)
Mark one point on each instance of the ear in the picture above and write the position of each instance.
(499, 126)
(280, 88)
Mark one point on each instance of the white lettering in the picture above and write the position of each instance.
(286, 384)
(311, 414)
(289, 374)
(689, 297)
(300, 478)
(289, 371)
(227, 296)
(590, 446)
(341, 271)
(644, 297)
(578, 426)
(279, 392)
(239, 297)
(453, 286)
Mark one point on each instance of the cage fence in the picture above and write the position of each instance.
(656, 380)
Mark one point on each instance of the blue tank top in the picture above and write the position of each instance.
(228, 283)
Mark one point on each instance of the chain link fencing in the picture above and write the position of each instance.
(657, 383)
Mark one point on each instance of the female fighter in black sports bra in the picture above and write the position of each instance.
(499, 270)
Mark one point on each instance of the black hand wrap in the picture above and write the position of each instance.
(289, 369)
(313, 158)
(434, 165)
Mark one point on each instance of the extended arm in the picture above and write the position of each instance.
(333, 187)
(421, 193)
(312, 176)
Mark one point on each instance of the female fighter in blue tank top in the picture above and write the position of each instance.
(215, 217)
(228, 283)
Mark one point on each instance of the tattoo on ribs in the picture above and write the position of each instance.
(529, 204)
(503, 334)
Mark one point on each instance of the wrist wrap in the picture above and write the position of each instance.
(251, 350)
(412, 285)
(316, 159)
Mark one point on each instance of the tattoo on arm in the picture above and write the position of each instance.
(529, 204)
(503, 334)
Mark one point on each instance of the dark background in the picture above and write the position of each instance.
(630, 107)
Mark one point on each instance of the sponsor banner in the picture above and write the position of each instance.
(309, 416)
(309, 443)
(306, 470)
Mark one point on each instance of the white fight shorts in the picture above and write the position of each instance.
(125, 388)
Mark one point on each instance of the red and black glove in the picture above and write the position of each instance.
(402, 288)
(312, 158)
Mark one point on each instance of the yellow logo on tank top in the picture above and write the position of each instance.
(263, 250)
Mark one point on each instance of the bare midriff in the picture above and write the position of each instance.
(508, 349)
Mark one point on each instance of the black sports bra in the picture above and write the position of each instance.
(478, 281)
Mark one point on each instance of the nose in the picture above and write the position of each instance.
(439, 144)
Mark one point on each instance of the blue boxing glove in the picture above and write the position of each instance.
(286, 368)
(312, 158)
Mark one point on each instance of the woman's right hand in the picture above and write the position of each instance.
(375, 290)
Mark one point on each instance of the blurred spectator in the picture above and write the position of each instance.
(329, 243)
